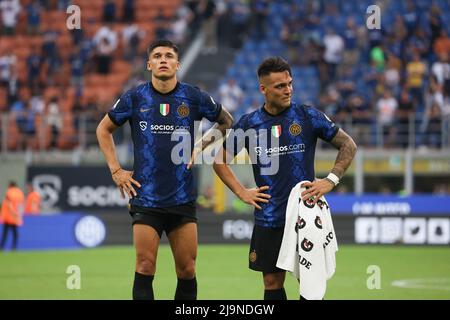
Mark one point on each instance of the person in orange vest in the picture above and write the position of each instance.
(11, 212)
(33, 201)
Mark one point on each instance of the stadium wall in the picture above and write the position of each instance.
(72, 193)
(15, 169)
(75, 230)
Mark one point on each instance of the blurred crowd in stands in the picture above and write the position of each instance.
(55, 82)
(392, 81)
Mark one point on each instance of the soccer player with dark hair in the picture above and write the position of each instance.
(296, 128)
(162, 193)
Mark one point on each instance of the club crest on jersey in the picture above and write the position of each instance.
(306, 245)
(276, 131)
(295, 129)
(164, 109)
(183, 110)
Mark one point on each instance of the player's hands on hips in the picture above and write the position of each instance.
(124, 180)
(255, 195)
(316, 189)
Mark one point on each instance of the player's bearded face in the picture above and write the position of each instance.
(277, 89)
(163, 63)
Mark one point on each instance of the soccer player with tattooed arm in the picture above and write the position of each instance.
(296, 128)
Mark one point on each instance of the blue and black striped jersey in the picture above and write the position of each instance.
(153, 117)
(296, 130)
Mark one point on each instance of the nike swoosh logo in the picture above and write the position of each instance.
(145, 110)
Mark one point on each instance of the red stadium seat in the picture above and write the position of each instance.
(3, 99)
(14, 139)
(68, 138)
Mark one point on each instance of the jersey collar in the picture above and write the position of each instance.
(275, 115)
(164, 94)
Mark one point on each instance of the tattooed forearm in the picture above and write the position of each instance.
(347, 150)
(224, 122)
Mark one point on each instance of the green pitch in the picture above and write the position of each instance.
(107, 273)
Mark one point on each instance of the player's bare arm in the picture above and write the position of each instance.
(122, 178)
(224, 122)
(250, 196)
(347, 150)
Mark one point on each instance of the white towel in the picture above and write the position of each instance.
(309, 244)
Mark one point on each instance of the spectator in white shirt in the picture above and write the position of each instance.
(441, 69)
(132, 36)
(7, 62)
(334, 50)
(231, 95)
(386, 108)
(105, 41)
(10, 10)
(54, 120)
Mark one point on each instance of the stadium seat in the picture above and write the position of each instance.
(3, 99)
(67, 139)
(14, 138)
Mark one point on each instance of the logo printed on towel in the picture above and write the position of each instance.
(322, 204)
(328, 239)
(318, 222)
(307, 245)
(309, 202)
(300, 224)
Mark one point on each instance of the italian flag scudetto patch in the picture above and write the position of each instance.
(164, 109)
(276, 131)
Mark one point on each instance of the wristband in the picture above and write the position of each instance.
(115, 171)
(333, 178)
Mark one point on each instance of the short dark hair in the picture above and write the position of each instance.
(12, 184)
(273, 64)
(162, 43)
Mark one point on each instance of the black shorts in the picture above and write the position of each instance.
(164, 219)
(264, 248)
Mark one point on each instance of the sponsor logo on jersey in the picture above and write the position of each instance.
(295, 129)
(281, 150)
(167, 128)
(326, 117)
(276, 131)
(183, 110)
(164, 109)
(143, 125)
(115, 105)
